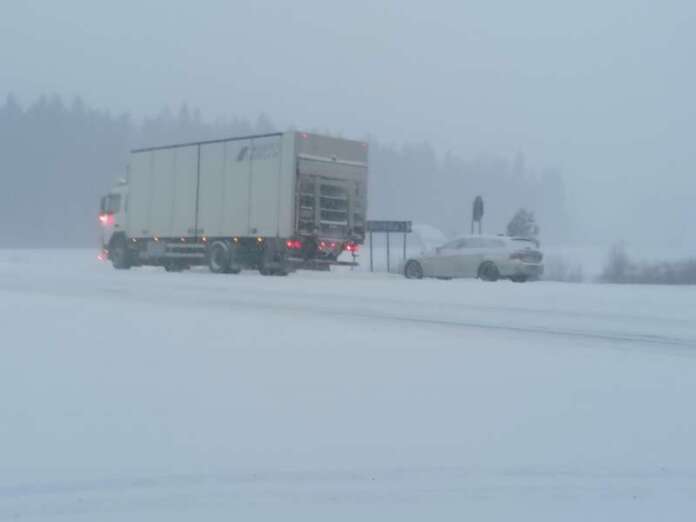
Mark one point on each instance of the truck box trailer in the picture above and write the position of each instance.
(269, 201)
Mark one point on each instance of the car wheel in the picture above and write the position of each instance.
(413, 270)
(489, 272)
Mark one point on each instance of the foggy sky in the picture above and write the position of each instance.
(604, 91)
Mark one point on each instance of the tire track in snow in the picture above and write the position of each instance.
(213, 297)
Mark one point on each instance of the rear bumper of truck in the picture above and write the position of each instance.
(317, 264)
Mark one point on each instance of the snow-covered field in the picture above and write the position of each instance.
(150, 396)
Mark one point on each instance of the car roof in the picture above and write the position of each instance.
(482, 236)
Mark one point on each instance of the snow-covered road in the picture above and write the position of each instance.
(145, 395)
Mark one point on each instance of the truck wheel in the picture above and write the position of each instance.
(173, 266)
(281, 271)
(267, 267)
(120, 255)
(233, 265)
(282, 268)
(219, 257)
(273, 260)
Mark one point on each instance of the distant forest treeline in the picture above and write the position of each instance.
(57, 158)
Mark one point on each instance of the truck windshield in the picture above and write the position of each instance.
(111, 204)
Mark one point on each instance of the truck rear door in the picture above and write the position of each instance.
(331, 202)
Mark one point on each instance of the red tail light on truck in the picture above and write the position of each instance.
(106, 219)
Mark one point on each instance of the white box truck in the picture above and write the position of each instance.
(270, 202)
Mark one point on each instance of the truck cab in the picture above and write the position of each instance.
(112, 215)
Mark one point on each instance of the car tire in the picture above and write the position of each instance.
(489, 272)
(413, 270)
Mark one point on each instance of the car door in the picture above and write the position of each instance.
(492, 250)
(497, 251)
(472, 256)
(459, 259)
(443, 262)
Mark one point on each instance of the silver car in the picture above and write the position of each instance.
(487, 257)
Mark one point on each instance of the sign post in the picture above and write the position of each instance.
(387, 227)
(388, 255)
(477, 214)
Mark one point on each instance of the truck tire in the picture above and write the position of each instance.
(265, 264)
(274, 259)
(219, 257)
(120, 254)
(173, 266)
(234, 266)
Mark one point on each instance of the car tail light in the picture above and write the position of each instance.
(528, 256)
(352, 247)
(294, 244)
